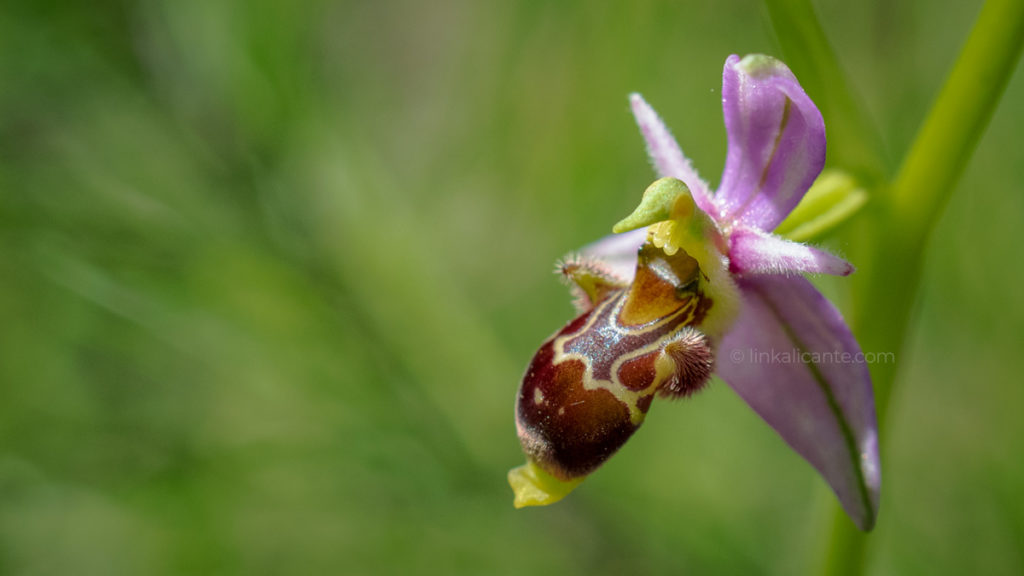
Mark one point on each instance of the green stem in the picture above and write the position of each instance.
(905, 217)
(901, 220)
(928, 176)
(847, 547)
(960, 114)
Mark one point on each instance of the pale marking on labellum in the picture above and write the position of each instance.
(629, 398)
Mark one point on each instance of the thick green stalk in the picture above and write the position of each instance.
(945, 142)
(905, 211)
(912, 204)
(927, 178)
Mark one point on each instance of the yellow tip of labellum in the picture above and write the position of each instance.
(535, 487)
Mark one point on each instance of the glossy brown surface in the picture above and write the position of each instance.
(589, 386)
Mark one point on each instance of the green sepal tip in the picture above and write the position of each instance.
(833, 199)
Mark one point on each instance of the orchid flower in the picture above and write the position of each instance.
(695, 282)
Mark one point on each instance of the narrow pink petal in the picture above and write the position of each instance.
(618, 252)
(666, 155)
(755, 252)
(791, 357)
(776, 142)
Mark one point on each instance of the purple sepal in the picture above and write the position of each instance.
(791, 357)
(755, 252)
(776, 142)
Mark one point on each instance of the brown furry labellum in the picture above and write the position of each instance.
(589, 387)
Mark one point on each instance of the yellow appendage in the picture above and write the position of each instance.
(535, 487)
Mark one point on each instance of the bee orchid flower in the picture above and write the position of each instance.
(694, 282)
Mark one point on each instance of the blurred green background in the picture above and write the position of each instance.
(270, 272)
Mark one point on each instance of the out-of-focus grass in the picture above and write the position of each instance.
(269, 273)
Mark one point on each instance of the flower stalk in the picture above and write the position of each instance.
(906, 209)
